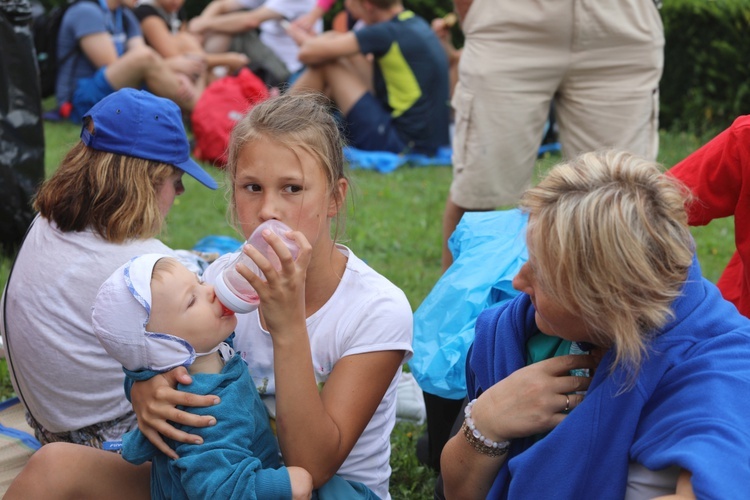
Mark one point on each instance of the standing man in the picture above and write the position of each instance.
(600, 61)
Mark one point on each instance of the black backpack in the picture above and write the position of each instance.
(46, 28)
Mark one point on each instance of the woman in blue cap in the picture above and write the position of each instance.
(105, 204)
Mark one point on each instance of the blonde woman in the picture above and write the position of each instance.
(619, 371)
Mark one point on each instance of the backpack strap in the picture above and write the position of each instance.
(5, 317)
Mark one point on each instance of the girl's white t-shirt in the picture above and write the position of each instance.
(367, 313)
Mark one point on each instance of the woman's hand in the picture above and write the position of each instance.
(298, 33)
(155, 404)
(306, 22)
(532, 399)
(192, 65)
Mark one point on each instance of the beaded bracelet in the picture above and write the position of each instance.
(477, 440)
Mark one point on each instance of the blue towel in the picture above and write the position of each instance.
(218, 244)
(386, 162)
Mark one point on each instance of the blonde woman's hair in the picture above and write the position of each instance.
(112, 194)
(301, 121)
(610, 237)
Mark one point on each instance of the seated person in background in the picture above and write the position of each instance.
(715, 173)
(164, 26)
(153, 314)
(399, 102)
(616, 373)
(100, 49)
(234, 24)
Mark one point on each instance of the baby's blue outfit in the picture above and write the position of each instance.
(239, 457)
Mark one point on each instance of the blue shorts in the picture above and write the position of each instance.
(88, 92)
(369, 127)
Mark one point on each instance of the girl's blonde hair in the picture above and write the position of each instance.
(112, 194)
(610, 235)
(299, 122)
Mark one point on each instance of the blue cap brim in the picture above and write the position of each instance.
(194, 170)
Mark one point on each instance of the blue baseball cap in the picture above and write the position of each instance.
(137, 123)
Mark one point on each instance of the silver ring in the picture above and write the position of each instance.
(567, 403)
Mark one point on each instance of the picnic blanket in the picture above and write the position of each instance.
(386, 162)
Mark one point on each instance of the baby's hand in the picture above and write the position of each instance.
(302, 483)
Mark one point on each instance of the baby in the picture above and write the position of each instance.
(152, 315)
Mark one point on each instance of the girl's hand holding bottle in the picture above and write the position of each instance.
(282, 292)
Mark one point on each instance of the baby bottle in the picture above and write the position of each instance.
(233, 290)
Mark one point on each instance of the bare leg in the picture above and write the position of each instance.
(187, 43)
(65, 470)
(344, 80)
(217, 42)
(143, 64)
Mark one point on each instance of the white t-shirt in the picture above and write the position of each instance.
(274, 36)
(62, 374)
(644, 484)
(366, 313)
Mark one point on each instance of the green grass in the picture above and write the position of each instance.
(394, 222)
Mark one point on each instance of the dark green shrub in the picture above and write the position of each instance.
(706, 82)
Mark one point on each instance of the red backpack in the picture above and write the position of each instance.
(220, 106)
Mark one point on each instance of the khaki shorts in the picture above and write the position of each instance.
(600, 62)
